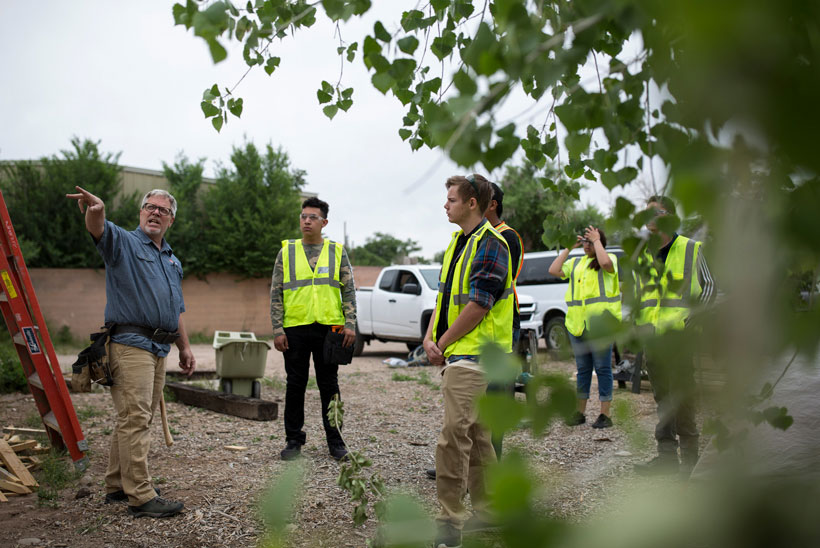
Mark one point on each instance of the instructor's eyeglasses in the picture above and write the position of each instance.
(312, 217)
(159, 210)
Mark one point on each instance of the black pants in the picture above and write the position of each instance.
(673, 386)
(303, 341)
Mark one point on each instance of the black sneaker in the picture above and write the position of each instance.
(576, 419)
(662, 465)
(430, 473)
(338, 452)
(157, 507)
(120, 496)
(602, 422)
(447, 537)
(291, 451)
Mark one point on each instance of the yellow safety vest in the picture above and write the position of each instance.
(312, 295)
(590, 293)
(665, 299)
(496, 326)
(501, 228)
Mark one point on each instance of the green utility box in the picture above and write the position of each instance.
(240, 362)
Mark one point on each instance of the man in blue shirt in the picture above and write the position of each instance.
(144, 306)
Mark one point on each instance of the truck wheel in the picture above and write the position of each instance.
(358, 344)
(226, 385)
(256, 389)
(555, 334)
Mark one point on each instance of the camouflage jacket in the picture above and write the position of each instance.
(312, 251)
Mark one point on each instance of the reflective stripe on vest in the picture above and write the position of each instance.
(496, 325)
(311, 295)
(591, 300)
(661, 305)
(501, 228)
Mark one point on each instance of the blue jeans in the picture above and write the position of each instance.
(587, 357)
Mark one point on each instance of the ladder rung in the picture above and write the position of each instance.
(51, 421)
(18, 338)
(3, 297)
(34, 379)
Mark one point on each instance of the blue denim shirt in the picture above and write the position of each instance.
(143, 285)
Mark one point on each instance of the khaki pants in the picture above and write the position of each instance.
(139, 377)
(464, 448)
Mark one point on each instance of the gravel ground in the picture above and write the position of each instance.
(394, 422)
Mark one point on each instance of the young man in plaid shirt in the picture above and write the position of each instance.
(475, 305)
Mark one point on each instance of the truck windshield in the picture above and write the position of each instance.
(430, 276)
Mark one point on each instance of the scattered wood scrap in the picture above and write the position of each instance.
(229, 404)
(15, 470)
(16, 430)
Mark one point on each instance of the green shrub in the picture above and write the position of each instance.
(12, 376)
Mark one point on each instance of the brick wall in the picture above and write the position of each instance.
(76, 298)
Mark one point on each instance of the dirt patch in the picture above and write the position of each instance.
(395, 422)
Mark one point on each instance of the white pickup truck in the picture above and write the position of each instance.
(400, 305)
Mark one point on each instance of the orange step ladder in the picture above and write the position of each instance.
(33, 343)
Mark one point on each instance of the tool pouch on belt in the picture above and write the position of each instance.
(93, 360)
(334, 352)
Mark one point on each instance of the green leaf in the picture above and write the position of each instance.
(382, 81)
(217, 122)
(351, 51)
(380, 32)
(577, 143)
(218, 53)
(344, 104)
(500, 413)
(573, 117)
(330, 111)
(208, 109)
(778, 417)
(411, 20)
(279, 500)
(609, 179)
(327, 87)
(235, 106)
(271, 64)
(623, 208)
(464, 83)
(405, 134)
(408, 44)
(323, 96)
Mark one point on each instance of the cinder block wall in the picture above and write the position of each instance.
(76, 298)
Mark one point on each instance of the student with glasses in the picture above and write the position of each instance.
(312, 290)
(143, 287)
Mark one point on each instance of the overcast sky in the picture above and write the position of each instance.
(123, 74)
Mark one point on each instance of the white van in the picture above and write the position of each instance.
(548, 293)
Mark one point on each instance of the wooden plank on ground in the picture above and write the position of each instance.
(18, 447)
(18, 488)
(16, 430)
(8, 476)
(3, 498)
(229, 404)
(15, 466)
